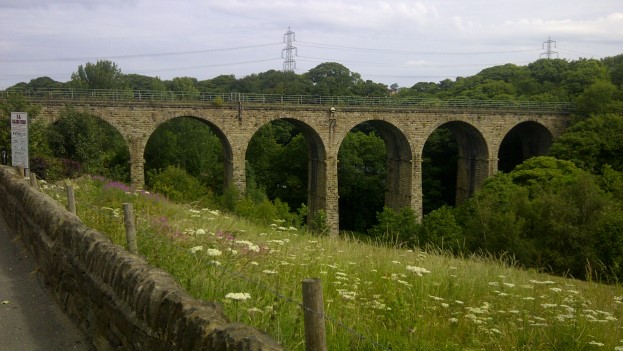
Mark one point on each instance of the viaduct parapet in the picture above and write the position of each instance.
(481, 136)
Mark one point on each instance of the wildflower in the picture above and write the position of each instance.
(418, 270)
(200, 232)
(268, 271)
(377, 305)
(195, 249)
(251, 246)
(238, 296)
(347, 295)
(213, 252)
(453, 320)
(544, 282)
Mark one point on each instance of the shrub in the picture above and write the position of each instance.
(396, 226)
(440, 229)
(176, 184)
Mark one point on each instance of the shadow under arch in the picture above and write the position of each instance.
(227, 154)
(472, 160)
(525, 140)
(317, 168)
(396, 184)
(398, 163)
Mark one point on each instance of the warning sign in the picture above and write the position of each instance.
(19, 139)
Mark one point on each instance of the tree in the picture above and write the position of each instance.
(439, 229)
(361, 174)
(101, 75)
(600, 97)
(398, 227)
(44, 83)
(545, 213)
(614, 66)
(369, 88)
(548, 70)
(91, 144)
(219, 84)
(188, 144)
(581, 74)
(439, 169)
(185, 86)
(592, 143)
(277, 163)
(140, 82)
(331, 78)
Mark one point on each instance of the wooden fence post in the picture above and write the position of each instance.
(313, 308)
(33, 180)
(130, 227)
(71, 199)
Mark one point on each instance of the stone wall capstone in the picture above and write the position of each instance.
(116, 297)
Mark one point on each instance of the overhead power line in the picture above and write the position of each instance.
(408, 52)
(116, 57)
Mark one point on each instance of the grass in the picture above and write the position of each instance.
(376, 297)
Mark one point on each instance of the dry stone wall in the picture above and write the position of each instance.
(117, 298)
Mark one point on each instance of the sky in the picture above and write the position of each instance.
(397, 41)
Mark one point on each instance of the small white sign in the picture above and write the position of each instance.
(19, 139)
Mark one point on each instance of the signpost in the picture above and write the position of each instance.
(19, 139)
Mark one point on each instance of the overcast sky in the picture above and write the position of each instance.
(397, 41)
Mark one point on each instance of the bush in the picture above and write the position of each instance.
(176, 184)
(439, 229)
(397, 227)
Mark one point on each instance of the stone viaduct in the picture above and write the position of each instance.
(482, 135)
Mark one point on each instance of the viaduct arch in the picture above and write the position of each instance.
(483, 137)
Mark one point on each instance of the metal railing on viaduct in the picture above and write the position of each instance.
(280, 99)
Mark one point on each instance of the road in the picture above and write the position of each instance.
(30, 320)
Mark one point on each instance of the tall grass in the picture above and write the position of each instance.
(376, 297)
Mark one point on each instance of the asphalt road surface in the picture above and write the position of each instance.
(30, 320)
